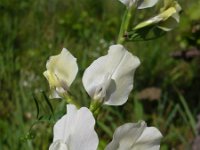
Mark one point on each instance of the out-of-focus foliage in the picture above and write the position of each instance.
(32, 30)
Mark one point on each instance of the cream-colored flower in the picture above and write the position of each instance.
(166, 20)
(61, 72)
(109, 79)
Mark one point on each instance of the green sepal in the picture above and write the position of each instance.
(145, 34)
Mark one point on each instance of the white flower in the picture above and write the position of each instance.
(140, 3)
(110, 78)
(61, 72)
(166, 20)
(135, 136)
(75, 131)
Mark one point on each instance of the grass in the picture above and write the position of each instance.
(31, 31)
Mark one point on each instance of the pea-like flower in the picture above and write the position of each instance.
(75, 130)
(140, 3)
(61, 72)
(109, 79)
(166, 20)
(135, 136)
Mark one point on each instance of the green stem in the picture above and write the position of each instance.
(125, 24)
(69, 99)
(95, 105)
(187, 111)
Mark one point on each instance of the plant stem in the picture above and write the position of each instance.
(125, 24)
(95, 105)
(69, 99)
(187, 111)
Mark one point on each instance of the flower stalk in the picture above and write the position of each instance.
(95, 105)
(128, 17)
(70, 100)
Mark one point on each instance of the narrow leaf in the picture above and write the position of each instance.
(37, 106)
(48, 102)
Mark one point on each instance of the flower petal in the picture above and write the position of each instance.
(157, 19)
(150, 139)
(76, 129)
(61, 72)
(135, 136)
(141, 3)
(166, 20)
(173, 18)
(146, 3)
(128, 3)
(111, 76)
(58, 145)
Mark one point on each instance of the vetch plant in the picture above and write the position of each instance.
(108, 81)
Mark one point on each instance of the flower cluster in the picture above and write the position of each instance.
(108, 80)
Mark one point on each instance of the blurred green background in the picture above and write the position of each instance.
(166, 89)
